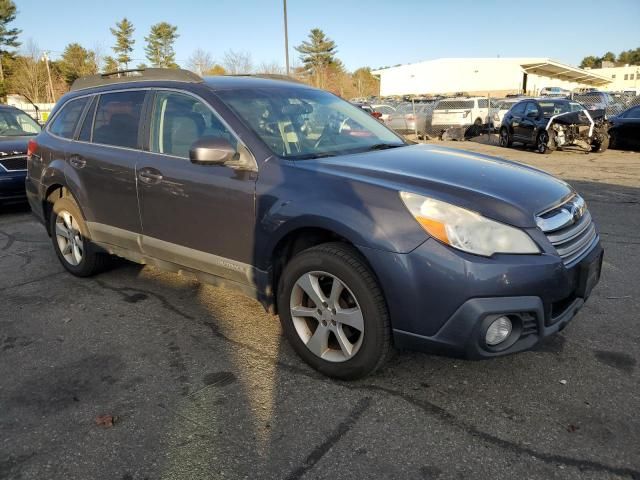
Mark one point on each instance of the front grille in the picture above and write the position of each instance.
(14, 164)
(570, 229)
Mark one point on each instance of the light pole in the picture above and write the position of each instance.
(286, 39)
(45, 57)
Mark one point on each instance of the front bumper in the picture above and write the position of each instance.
(442, 301)
(12, 186)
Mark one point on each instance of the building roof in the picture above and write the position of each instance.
(540, 66)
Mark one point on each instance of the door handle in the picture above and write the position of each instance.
(77, 161)
(149, 176)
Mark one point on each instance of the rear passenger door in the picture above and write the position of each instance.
(103, 160)
(200, 216)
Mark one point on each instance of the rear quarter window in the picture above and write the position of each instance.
(64, 123)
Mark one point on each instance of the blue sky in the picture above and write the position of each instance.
(367, 32)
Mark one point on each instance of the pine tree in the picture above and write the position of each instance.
(110, 64)
(317, 55)
(124, 41)
(8, 36)
(159, 47)
(77, 62)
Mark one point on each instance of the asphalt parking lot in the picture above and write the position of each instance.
(203, 386)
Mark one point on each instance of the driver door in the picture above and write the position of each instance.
(198, 215)
(529, 122)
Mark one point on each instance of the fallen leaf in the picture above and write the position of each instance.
(572, 428)
(106, 420)
(563, 382)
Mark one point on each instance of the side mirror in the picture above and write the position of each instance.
(211, 151)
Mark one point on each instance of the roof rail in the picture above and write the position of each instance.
(135, 75)
(269, 76)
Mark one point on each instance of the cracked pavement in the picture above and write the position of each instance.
(204, 386)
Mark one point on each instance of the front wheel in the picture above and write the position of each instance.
(333, 312)
(543, 145)
(71, 241)
(600, 144)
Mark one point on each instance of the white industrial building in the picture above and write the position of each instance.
(482, 76)
(622, 78)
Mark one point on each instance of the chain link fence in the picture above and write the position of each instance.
(464, 117)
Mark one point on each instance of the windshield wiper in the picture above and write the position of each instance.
(384, 146)
(309, 156)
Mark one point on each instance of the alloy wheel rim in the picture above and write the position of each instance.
(69, 238)
(504, 138)
(542, 142)
(327, 316)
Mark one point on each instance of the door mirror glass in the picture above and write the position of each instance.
(212, 151)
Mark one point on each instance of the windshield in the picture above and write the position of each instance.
(15, 123)
(550, 109)
(300, 123)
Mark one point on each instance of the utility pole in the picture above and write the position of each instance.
(45, 57)
(286, 39)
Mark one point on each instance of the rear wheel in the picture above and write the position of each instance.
(71, 240)
(333, 312)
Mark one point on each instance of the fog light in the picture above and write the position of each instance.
(498, 331)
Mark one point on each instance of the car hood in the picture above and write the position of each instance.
(14, 145)
(499, 189)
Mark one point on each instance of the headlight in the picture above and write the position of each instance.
(466, 230)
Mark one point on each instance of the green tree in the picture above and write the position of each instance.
(159, 47)
(631, 57)
(8, 36)
(142, 66)
(77, 62)
(589, 62)
(124, 41)
(317, 55)
(608, 57)
(110, 64)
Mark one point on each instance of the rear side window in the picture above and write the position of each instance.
(64, 125)
(117, 118)
(482, 103)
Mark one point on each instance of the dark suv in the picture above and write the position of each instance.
(358, 240)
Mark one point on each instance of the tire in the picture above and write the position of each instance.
(505, 138)
(602, 145)
(613, 143)
(317, 270)
(82, 258)
(543, 145)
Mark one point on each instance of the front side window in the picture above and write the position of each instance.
(64, 124)
(179, 120)
(518, 109)
(117, 118)
(532, 108)
(299, 123)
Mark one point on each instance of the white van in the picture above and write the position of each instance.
(460, 112)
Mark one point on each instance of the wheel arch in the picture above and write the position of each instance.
(297, 240)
